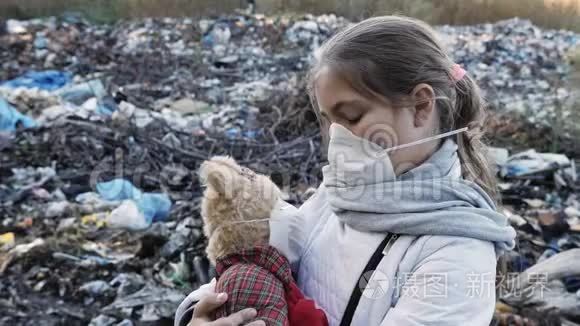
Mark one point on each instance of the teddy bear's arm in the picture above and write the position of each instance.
(251, 286)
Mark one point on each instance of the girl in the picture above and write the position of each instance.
(403, 236)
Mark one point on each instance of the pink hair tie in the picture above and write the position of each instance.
(457, 73)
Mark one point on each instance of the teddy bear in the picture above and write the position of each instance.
(236, 208)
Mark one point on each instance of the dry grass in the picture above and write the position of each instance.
(549, 13)
(554, 14)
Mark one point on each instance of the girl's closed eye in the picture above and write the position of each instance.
(351, 113)
(356, 119)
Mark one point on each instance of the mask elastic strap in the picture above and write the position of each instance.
(240, 222)
(425, 140)
(248, 221)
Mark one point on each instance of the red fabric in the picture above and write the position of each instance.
(303, 311)
(261, 278)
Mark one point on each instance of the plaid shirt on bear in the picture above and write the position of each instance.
(261, 278)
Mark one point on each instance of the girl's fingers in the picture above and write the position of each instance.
(209, 303)
(236, 319)
(212, 301)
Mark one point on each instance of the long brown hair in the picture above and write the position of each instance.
(386, 57)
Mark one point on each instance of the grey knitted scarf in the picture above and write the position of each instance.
(431, 199)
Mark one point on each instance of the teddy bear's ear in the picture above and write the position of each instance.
(218, 173)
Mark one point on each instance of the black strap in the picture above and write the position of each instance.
(356, 291)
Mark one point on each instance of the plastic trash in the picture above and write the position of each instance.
(14, 26)
(127, 216)
(118, 189)
(110, 252)
(103, 320)
(92, 202)
(91, 96)
(98, 220)
(157, 302)
(152, 207)
(40, 42)
(184, 234)
(189, 106)
(234, 133)
(176, 273)
(26, 247)
(66, 223)
(128, 112)
(7, 241)
(127, 283)
(219, 34)
(498, 155)
(155, 206)
(10, 118)
(104, 106)
(125, 322)
(85, 260)
(531, 162)
(49, 80)
(57, 208)
(18, 251)
(96, 288)
(80, 93)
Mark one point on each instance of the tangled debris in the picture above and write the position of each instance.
(117, 112)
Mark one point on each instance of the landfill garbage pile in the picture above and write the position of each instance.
(100, 148)
(519, 66)
(103, 128)
(539, 282)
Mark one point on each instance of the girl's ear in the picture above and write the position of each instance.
(424, 98)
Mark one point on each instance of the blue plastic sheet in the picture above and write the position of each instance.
(154, 206)
(46, 80)
(79, 93)
(10, 118)
(118, 189)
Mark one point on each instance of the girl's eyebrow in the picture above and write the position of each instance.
(339, 106)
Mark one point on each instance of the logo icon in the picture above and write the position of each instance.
(373, 284)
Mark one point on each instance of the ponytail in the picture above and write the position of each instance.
(470, 112)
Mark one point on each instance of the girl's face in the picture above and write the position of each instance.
(376, 120)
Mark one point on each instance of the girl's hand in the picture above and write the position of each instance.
(212, 301)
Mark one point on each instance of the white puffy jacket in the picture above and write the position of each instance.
(421, 280)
